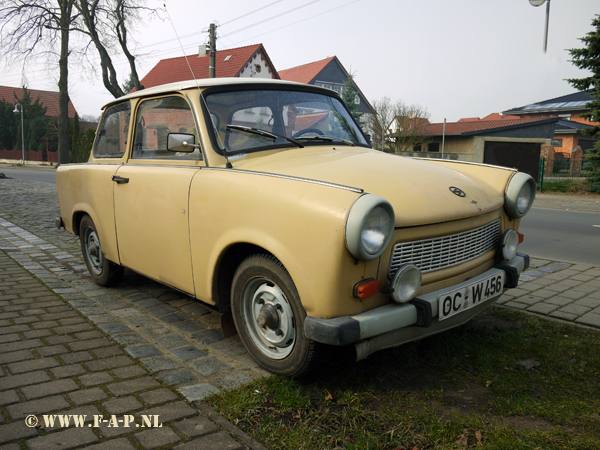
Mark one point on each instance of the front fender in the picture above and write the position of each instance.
(300, 223)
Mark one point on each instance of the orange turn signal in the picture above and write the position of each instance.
(521, 238)
(366, 288)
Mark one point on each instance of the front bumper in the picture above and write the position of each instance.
(395, 324)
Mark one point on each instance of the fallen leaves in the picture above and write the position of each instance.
(464, 439)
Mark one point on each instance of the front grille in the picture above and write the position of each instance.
(445, 251)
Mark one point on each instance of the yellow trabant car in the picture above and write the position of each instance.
(265, 199)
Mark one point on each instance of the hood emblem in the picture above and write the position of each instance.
(457, 191)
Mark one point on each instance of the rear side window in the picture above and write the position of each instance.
(111, 139)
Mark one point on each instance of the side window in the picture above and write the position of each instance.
(111, 140)
(155, 120)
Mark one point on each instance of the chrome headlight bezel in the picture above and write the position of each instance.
(370, 218)
(519, 195)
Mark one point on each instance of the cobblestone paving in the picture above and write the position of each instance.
(171, 342)
(560, 291)
(56, 366)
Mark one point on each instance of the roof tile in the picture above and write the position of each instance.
(49, 99)
(306, 72)
(228, 63)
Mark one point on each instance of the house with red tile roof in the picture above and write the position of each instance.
(507, 142)
(49, 99)
(250, 61)
(328, 73)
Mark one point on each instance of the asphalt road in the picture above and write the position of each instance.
(45, 175)
(572, 236)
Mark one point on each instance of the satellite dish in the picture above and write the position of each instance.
(537, 2)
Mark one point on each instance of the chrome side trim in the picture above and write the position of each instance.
(289, 177)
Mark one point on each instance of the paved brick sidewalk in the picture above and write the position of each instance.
(55, 362)
(559, 291)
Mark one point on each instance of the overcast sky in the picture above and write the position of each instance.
(461, 58)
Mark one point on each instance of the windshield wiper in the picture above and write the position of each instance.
(328, 139)
(263, 133)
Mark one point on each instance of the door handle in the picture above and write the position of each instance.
(120, 180)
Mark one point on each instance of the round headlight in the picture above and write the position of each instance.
(520, 194)
(376, 230)
(509, 244)
(369, 227)
(406, 283)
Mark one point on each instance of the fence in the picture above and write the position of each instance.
(556, 167)
(30, 155)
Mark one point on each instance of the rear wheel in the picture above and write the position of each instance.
(269, 316)
(103, 271)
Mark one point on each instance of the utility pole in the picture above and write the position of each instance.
(212, 51)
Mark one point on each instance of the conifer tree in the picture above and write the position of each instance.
(589, 58)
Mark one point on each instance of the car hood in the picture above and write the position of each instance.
(421, 191)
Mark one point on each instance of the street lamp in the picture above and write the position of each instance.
(540, 3)
(16, 111)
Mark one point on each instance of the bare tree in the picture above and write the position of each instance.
(106, 23)
(397, 126)
(377, 124)
(30, 28)
(408, 128)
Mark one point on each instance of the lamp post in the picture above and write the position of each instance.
(540, 3)
(18, 107)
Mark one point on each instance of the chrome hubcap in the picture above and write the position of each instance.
(93, 251)
(269, 318)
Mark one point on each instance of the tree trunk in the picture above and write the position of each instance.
(63, 84)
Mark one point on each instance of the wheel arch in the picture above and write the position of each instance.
(77, 216)
(225, 269)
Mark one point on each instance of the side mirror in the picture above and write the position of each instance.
(181, 142)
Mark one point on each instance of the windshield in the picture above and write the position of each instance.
(260, 119)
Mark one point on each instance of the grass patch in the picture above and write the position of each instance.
(504, 381)
(566, 186)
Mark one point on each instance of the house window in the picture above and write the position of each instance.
(434, 147)
(339, 88)
(556, 142)
(416, 148)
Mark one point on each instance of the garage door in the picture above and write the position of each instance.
(523, 156)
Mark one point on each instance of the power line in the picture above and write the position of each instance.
(271, 18)
(295, 23)
(251, 12)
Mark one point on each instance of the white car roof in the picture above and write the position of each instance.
(204, 83)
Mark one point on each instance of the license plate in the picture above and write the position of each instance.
(459, 300)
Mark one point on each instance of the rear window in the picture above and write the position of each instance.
(111, 138)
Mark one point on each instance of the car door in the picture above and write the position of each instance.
(151, 195)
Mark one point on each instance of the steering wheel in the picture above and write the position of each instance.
(307, 130)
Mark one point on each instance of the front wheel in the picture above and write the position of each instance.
(104, 272)
(269, 316)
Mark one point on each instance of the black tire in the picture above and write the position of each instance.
(269, 317)
(103, 271)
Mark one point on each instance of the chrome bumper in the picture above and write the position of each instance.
(395, 324)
